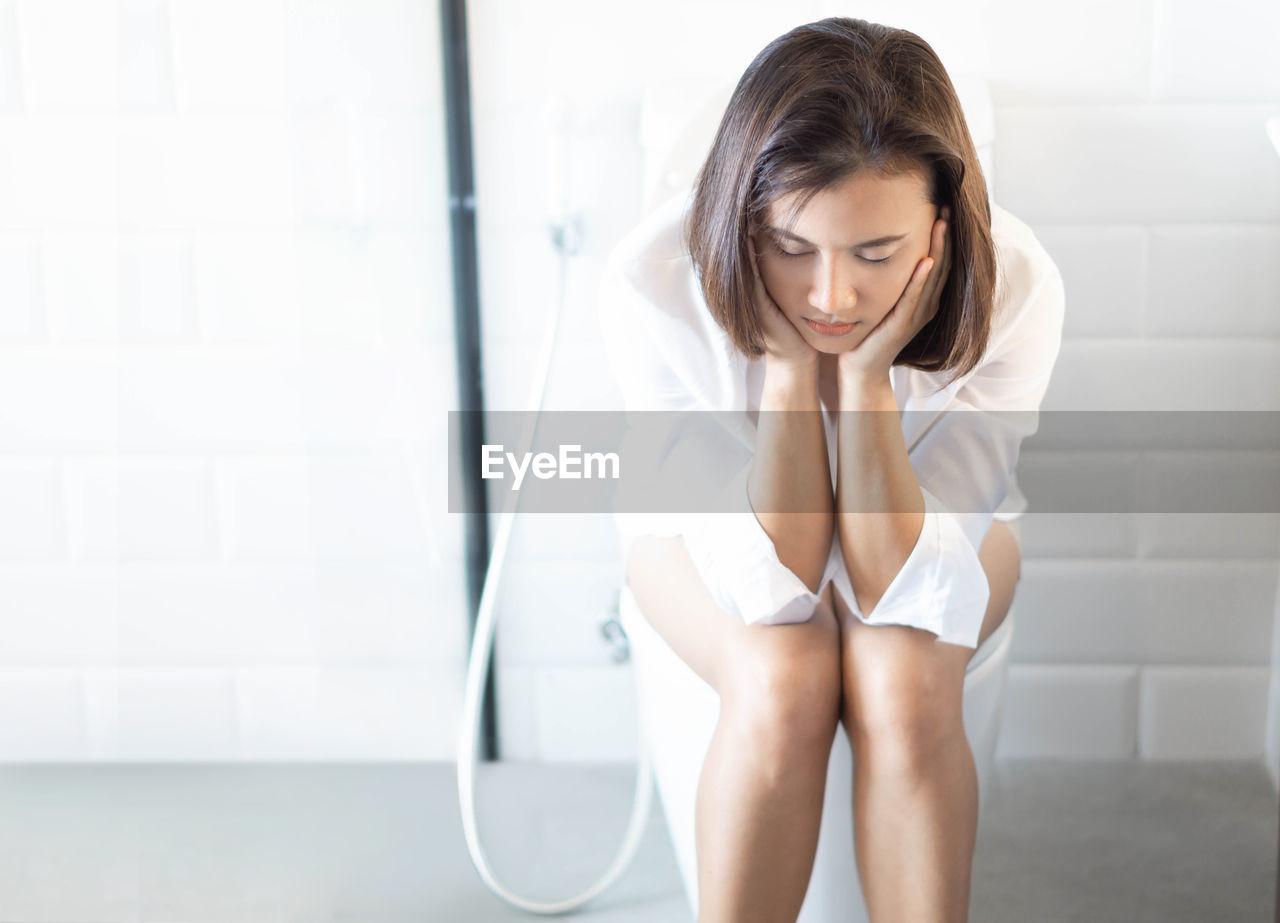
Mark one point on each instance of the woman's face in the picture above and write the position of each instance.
(849, 255)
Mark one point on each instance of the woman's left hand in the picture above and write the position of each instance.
(872, 358)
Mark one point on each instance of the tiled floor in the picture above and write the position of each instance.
(383, 844)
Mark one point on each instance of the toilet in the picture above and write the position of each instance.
(678, 714)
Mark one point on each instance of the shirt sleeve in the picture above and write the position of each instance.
(733, 555)
(964, 460)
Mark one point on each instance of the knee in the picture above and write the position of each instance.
(786, 706)
(907, 720)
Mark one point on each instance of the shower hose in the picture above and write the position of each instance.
(564, 236)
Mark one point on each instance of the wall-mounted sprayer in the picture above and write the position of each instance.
(566, 236)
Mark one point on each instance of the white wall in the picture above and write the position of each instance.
(226, 349)
(225, 361)
(1129, 137)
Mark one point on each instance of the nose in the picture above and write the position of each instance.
(833, 293)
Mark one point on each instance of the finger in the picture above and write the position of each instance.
(948, 254)
(918, 282)
(944, 269)
(937, 245)
(940, 251)
(946, 216)
(904, 310)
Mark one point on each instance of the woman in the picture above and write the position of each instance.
(838, 253)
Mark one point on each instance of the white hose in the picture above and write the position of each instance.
(481, 659)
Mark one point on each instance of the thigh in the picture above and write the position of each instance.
(675, 601)
(1001, 557)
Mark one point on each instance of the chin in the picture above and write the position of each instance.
(834, 347)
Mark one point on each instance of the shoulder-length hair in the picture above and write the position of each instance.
(818, 103)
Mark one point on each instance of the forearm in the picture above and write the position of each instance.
(790, 472)
(873, 473)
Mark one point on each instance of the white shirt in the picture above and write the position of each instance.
(668, 353)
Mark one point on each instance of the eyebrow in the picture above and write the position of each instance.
(879, 241)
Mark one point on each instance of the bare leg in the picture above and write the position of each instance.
(915, 782)
(916, 821)
(761, 789)
(757, 826)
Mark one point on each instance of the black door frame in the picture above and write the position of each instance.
(466, 325)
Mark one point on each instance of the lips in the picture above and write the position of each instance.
(829, 329)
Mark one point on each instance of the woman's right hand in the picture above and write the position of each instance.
(784, 344)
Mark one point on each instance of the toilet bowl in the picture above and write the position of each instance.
(678, 714)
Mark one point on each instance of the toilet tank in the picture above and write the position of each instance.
(679, 118)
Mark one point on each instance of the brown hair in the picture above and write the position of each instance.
(818, 103)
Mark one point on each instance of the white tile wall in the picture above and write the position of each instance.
(157, 301)
(1081, 711)
(1137, 163)
(229, 169)
(517, 712)
(45, 716)
(34, 526)
(153, 509)
(382, 54)
(1136, 154)
(332, 714)
(53, 174)
(65, 68)
(59, 615)
(277, 713)
(582, 537)
(225, 355)
(201, 33)
(1145, 611)
(1104, 273)
(80, 286)
(551, 610)
(145, 67)
(10, 67)
(1055, 53)
(227, 330)
(167, 712)
(23, 318)
(1224, 373)
(586, 714)
(1230, 535)
(1230, 57)
(1235, 271)
(1078, 535)
(1151, 535)
(1202, 712)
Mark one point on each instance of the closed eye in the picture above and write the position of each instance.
(778, 249)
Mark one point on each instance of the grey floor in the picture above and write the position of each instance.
(383, 844)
